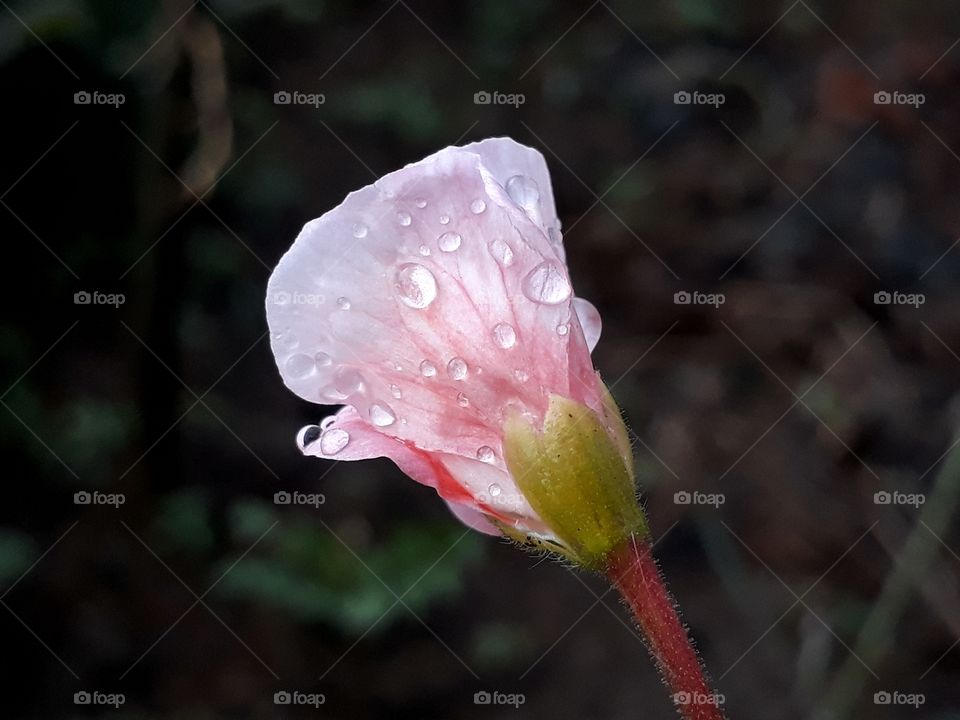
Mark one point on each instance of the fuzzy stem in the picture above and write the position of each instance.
(634, 572)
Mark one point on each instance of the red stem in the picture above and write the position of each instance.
(634, 572)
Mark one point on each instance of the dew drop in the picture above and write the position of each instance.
(300, 366)
(396, 392)
(333, 441)
(404, 218)
(449, 241)
(382, 415)
(494, 489)
(327, 421)
(289, 340)
(478, 206)
(428, 369)
(424, 250)
(547, 284)
(505, 335)
(563, 329)
(347, 381)
(457, 368)
(343, 303)
(359, 230)
(308, 435)
(444, 219)
(485, 453)
(420, 203)
(416, 286)
(322, 359)
(501, 252)
(523, 191)
(521, 375)
(462, 400)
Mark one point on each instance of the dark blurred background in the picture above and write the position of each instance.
(153, 176)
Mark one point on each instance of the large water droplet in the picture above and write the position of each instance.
(359, 230)
(416, 285)
(478, 206)
(327, 421)
(333, 441)
(428, 369)
(457, 368)
(505, 335)
(300, 366)
(547, 284)
(494, 490)
(485, 453)
(404, 218)
(524, 192)
(348, 381)
(449, 241)
(343, 303)
(501, 252)
(382, 415)
(308, 435)
(322, 359)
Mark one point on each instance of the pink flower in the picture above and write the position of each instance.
(432, 304)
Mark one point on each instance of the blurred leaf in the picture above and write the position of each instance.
(183, 522)
(17, 551)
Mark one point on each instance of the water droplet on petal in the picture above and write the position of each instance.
(444, 219)
(547, 284)
(501, 252)
(343, 303)
(348, 381)
(449, 241)
(457, 368)
(404, 218)
(428, 369)
(333, 441)
(289, 340)
(382, 415)
(416, 285)
(562, 329)
(494, 490)
(300, 366)
(505, 335)
(420, 203)
(327, 421)
(308, 435)
(396, 392)
(478, 206)
(462, 400)
(485, 453)
(359, 230)
(322, 359)
(521, 375)
(424, 250)
(524, 192)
